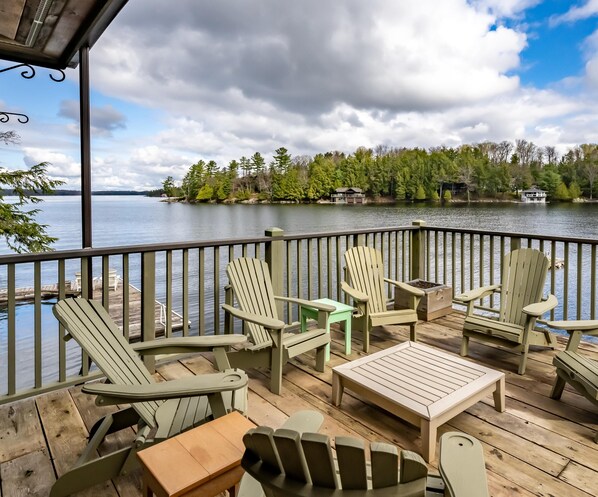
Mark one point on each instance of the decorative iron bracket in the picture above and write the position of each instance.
(29, 72)
(5, 117)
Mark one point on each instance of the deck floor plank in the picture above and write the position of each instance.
(30, 475)
(20, 430)
(538, 447)
(67, 436)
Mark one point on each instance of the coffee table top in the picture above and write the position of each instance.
(421, 379)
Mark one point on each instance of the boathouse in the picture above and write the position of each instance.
(348, 196)
(533, 196)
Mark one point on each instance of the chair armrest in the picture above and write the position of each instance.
(461, 465)
(586, 326)
(355, 294)
(266, 322)
(231, 379)
(180, 345)
(307, 303)
(416, 292)
(477, 293)
(539, 308)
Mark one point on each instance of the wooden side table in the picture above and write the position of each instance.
(204, 461)
(343, 312)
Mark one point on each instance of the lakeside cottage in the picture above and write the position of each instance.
(533, 196)
(348, 196)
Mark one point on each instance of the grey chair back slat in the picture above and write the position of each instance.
(94, 330)
(523, 277)
(252, 287)
(366, 274)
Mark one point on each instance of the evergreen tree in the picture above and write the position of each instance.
(17, 221)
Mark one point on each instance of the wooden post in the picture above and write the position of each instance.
(417, 247)
(275, 261)
(148, 303)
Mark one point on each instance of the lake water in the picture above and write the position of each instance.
(133, 220)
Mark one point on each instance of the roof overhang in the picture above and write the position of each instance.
(49, 33)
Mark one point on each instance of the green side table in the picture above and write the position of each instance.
(343, 312)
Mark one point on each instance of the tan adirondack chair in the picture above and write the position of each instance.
(522, 283)
(290, 464)
(270, 347)
(160, 410)
(366, 286)
(574, 368)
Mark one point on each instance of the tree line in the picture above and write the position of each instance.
(487, 170)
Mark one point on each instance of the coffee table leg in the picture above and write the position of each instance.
(337, 389)
(428, 434)
(499, 395)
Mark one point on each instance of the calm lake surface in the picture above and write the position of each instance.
(133, 220)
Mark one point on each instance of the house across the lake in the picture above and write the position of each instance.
(533, 196)
(348, 196)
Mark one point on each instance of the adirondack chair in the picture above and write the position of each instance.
(290, 464)
(270, 347)
(160, 410)
(365, 285)
(521, 304)
(574, 368)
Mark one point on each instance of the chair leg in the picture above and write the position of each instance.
(464, 346)
(91, 473)
(321, 359)
(413, 332)
(557, 389)
(523, 362)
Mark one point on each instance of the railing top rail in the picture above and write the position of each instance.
(160, 247)
(568, 239)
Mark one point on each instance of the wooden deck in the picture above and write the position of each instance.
(538, 447)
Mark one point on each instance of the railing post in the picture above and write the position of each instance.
(148, 302)
(275, 260)
(417, 248)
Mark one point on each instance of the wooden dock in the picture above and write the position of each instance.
(538, 447)
(115, 306)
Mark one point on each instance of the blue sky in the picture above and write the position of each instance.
(218, 80)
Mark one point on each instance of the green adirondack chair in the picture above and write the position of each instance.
(366, 286)
(270, 347)
(291, 464)
(521, 304)
(159, 410)
(574, 368)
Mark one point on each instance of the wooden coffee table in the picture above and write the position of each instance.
(419, 384)
(204, 461)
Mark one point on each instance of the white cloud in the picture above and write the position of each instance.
(577, 13)
(231, 78)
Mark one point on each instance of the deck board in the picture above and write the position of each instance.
(538, 447)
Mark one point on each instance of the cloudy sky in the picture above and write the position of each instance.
(175, 82)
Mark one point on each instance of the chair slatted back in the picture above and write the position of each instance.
(96, 333)
(366, 274)
(252, 287)
(308, 459)
(523, 277)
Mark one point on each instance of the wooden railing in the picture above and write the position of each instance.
(188, 281)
